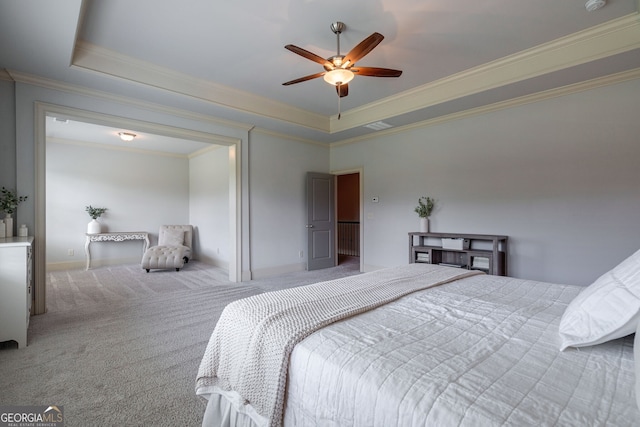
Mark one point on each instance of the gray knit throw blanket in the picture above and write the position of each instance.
(248, 352)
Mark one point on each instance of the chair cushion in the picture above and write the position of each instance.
(171, 237)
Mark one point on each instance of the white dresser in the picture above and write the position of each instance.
(16, 284)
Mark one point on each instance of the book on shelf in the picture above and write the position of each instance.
(422, 257)
(480, 262)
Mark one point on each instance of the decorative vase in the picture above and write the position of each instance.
(94, 227)
(3, 231)
(8, 226)
(424, 225)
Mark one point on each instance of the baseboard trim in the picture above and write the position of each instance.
(80, 265)
(368, 268)
(277, 271)
(213, 261)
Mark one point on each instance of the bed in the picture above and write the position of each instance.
(428, 345)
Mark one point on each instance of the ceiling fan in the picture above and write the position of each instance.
(339, 69)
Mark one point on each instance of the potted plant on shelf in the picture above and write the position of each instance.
(94, 227)
(424, 209)
(9, 201)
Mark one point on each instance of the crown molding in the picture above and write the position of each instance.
(613, 37)
(203, 151)
(4, 75)
(96, 58)
(30, 79)
(184, 133)
(527, 99)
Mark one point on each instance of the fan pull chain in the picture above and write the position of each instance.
(339, 101)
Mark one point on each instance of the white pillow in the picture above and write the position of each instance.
(171, 238)
(607, 309)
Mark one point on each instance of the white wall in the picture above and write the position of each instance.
(560, 177)
(278, 209)
(209, 205)
(140, 190)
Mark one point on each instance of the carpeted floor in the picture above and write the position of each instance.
(122, 347)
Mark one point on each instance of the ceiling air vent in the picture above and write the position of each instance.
(378, 126)
(592, 5)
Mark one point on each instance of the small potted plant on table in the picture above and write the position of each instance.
(94, 226)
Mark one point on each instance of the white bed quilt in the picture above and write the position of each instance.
(248, 353)
(482, 351)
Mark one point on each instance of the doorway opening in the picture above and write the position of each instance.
(349, 213)
(45, 110)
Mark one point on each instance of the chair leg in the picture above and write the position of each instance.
(147, 269)
(186, 259)
(177, 269)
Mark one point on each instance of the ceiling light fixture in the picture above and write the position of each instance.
(339, 76)
(127, 136)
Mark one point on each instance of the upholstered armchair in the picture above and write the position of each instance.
(173, 249)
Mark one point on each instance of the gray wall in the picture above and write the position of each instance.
(209, 205)
(560, 177)
(278, 203)
(7, 135)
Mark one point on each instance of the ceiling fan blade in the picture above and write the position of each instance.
(309, 55)
(376, 72)
(363, 48)
(304, 79)
(343, 90)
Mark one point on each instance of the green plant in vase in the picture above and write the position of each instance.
(94, 226)
(95, 213)
(424, 209)
(9, 201)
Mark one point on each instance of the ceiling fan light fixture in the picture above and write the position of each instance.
(127, 136)
(339, 76)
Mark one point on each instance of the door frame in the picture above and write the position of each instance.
(360, 172)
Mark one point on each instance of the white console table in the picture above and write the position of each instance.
(116, 236)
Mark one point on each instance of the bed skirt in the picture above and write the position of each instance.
(222, 412)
